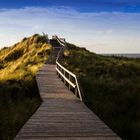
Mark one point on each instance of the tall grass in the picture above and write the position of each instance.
(111, 86)
(18, 101)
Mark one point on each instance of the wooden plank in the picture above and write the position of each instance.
(62, 116)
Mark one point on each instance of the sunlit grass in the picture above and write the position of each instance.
(19, 96)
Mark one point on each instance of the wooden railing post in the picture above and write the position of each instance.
(70, 80)
(65, 76)
(76, 91)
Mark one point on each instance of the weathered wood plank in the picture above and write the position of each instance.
(62, 116)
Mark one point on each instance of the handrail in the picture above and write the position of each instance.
(62, 72)
(68, 80)
(75, 85)
(69, 72)
(61, 42)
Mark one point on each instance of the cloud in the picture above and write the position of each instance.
(85, 29)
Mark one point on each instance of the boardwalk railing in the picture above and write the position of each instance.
(60, 40)
(70, 78)
(67, 76)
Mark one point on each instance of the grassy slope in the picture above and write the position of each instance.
(19, 96)
(111, 86)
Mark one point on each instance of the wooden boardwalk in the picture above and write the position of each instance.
(62, 116)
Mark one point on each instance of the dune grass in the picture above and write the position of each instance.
(111, 86)
(19, 95)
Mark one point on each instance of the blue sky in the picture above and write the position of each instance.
(102, 26)
(81, 5)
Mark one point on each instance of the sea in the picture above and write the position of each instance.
(128, 55)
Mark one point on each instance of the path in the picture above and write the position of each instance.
(62, 116)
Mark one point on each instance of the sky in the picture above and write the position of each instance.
(102, 26)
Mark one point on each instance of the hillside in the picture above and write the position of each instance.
(111, 86)
(19, 96)
(25, 56)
